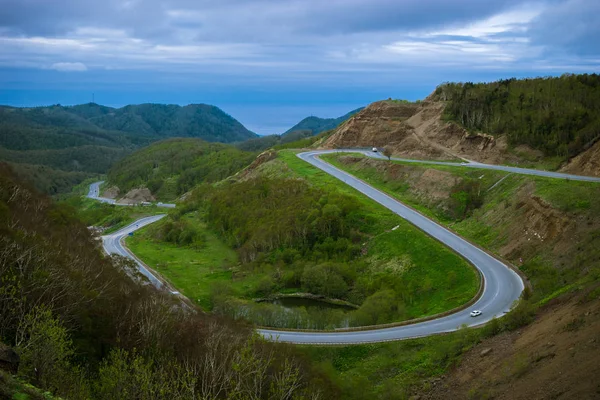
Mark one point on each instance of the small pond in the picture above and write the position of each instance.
(294, 302)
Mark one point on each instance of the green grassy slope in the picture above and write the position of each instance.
(366, 262)
(171, 167)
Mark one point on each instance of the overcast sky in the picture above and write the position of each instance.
(269, 63)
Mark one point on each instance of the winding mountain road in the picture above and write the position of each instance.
(113, 244)
(502, 286)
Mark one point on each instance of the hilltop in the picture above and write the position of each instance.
(314, 125)
(548, 123)
(171, 167)
(57, 147)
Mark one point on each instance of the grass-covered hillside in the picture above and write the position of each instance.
(172, 167)
(548, 228)
(87, 139)
(284, 227)
(85, 326)
(557, 115)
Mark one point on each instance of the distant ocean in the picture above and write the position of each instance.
(269, 119)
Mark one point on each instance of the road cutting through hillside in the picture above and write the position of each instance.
(502, 286)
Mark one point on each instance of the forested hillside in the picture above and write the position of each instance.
(89, 138)
(314, 125)
(86, 327)
(161, 120)
(172, 167)
(300, 134)
(557, 115)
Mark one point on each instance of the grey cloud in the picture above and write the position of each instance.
(244, 19)
(347, 16)
(572, 26)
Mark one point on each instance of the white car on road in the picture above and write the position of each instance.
(475, 313)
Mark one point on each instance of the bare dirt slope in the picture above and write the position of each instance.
(586, 163)
(418, 131)
(556, 357)
(136, 196)
(431, 130)
(111, 193)
(380, 124)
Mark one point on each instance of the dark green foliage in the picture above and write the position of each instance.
(49, 180)
(560, 116)
(465, 197)
(86, 328)
(195, 120)
(325, 280)
(180, 232)
(90, 159)
(90, 138)
(259, 144)
(263, 215)
(185, 162)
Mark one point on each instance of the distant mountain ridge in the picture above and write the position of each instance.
(89, 138)
(317, 125)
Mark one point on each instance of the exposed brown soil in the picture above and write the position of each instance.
(380, 124)
(136, 196)
(419, 132)
(555, 357)
(541, 226)
(586, 163)
(111, 193)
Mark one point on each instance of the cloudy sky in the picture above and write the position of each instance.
(270, 63)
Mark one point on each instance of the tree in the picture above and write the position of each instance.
(387, 151)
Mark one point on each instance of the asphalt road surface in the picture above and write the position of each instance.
(113, 245)
(502, 286)
(476, 165)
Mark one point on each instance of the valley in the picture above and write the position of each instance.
(378, 232)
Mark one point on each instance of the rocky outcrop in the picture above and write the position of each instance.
(586, 163)
(377, 125)
(137, 196)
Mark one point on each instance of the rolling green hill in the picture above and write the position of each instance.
(89, 138)
(314, 125)
(171, 167)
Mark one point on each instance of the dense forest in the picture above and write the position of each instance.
(557, 115)
(86, 327)
(89, 138)
(172, 167)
